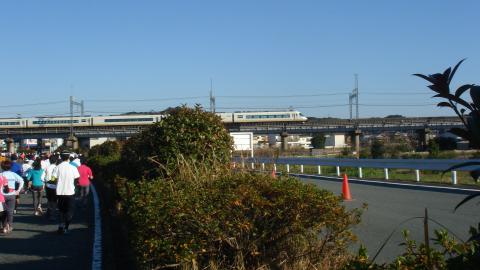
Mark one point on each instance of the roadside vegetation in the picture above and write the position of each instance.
(183, 207)
(178, 204)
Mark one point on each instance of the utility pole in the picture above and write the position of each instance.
(212, 98)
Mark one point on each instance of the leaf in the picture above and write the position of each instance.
(473, 122)
(461, 165)
(446, 73)
(462, 89)
(444, 104)
(468, 198)
(436, 88)
(456, 99)
(475, 94)
(427, 78)
(455, 70)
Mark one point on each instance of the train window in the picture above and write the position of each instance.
(267, 116)
(240, 116)
(53, 122)
(84, 120)
(9, 123)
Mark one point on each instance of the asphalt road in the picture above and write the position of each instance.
(35, 244)
(388, 207)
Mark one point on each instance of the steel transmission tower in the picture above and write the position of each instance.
(353, 99)
(212, 98)
(72, 104)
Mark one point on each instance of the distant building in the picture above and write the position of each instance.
(333, 141)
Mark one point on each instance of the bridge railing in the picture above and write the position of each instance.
(413, 164)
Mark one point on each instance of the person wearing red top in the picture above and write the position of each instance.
(84, 182)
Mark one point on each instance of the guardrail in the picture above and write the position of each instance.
(386, 164)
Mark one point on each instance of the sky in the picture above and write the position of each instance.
(120, 56)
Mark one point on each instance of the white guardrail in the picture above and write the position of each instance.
(413, 164)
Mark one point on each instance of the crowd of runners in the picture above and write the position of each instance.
(64, 178)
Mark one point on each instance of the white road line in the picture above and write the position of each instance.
(97, 241)
(388, 183)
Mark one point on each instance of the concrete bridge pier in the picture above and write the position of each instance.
(72, 142)
(356, 141)
(423, 138)
(284, 136)
(10, 145)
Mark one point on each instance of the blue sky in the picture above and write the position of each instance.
(122, 56)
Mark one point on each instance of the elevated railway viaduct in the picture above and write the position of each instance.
(422, 125)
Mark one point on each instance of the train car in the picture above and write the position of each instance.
(274, 116)
(12, 123)
(126, 120)
(227, 117)
(39, 122)
(139, 119)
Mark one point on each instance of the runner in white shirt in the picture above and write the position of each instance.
(66, 175)
(51, 183)
(45, 162)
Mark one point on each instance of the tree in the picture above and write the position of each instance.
(395, 116)
(318, 141)
(377, 149)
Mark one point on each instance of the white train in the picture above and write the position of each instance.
(144, 119)
(255, 117)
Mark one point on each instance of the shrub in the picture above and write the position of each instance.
(239, 221)
(104, 159)
(433, 149)
(108, 148)
(377, 149)
(186, 134)
(318, 141)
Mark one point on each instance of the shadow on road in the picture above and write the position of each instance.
(35, 243)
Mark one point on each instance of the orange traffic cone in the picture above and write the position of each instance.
(346, 189)
(274, 173)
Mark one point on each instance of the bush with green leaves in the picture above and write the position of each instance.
(189, 134)
(104, 159)
(239, 221)
(377, 149)
(318, 141)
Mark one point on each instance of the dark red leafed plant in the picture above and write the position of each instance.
(468, 112)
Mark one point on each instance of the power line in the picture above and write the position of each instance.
(34, 104)
(395, 93)
(144, 100)
(285, 96)
(397, 105)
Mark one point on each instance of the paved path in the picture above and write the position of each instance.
(389, 206)
(35, 244)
